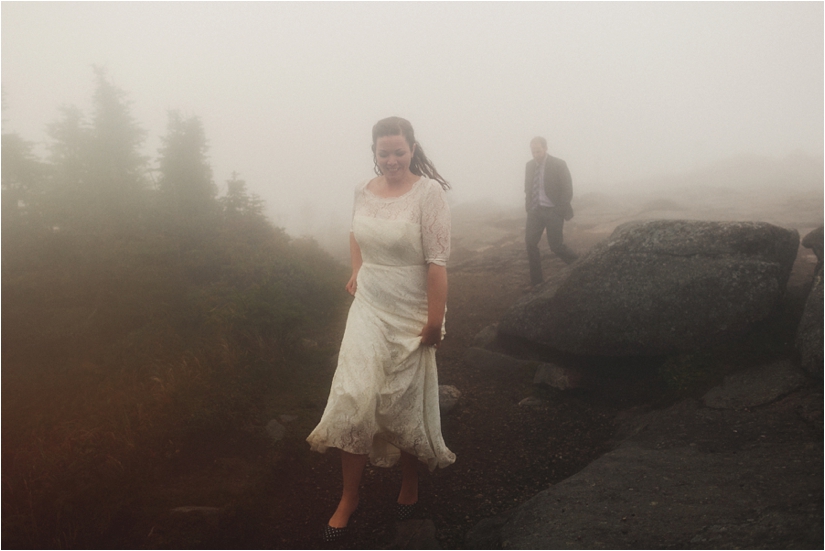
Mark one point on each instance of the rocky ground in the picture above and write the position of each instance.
(740, 467)
(242, 491)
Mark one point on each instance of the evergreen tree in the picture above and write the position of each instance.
(98, 178)
(22, 184)
(238, 203)
(22, 180)
(185, 175)
(244, 222)
(116, 169)
(70, 196)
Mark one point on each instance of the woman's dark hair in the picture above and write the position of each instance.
(420, 165)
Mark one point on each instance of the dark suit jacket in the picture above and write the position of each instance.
(557, 184)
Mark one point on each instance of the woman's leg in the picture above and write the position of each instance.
(352, 468)
(409, 479)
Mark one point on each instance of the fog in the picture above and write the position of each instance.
(627, 93)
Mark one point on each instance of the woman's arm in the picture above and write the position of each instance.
(436, 302)
(356, 261)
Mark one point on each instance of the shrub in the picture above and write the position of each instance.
(119, 350)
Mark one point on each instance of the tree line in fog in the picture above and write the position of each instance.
(95, 179)
(142, 313)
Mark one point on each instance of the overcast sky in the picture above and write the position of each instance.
(288, 92)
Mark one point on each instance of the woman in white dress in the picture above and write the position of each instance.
(383, 403)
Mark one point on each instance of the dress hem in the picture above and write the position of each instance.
(388, 460)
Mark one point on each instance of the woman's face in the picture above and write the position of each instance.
(393, 155)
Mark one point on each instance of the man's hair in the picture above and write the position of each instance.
(539, 139)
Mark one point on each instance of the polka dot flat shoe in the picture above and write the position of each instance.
(404, 512)
(330, 534)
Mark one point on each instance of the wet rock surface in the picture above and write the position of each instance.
(686, 477)
(737, 466)
(809, 341)
(415, 534)
(275, 430)
(814, 240)
(756, 387)
(448, 397)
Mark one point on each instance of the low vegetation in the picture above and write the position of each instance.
(139, 314)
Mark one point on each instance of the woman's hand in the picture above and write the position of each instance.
(355, 258)
(352, 284)
(431, 335)
(436, 304)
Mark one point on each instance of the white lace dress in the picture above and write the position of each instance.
(384, 394)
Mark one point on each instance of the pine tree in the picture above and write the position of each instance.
(70, 196)
(23, 176)
(238, 203)
(22, 185)
(185, 181)
(116, 169)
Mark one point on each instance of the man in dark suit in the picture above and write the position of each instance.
(548, 191)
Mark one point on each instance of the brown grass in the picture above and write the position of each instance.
(117, 354)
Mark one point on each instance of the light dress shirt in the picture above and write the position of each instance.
(538, 180)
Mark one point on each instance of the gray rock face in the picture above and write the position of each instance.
(531, 402)
(659, 287)
(415, 534)
(501, 366)
(686, 477)
(486, 336)
(275, 430)
(809, 340)
(755, 387)
(448, 396)
(497, 366)
(693, 506)
(557, 376)
(814, 241)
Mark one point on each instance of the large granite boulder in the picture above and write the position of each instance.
(756, 387)
(690, 477)
(809, 341)
(659, 287)
(814, 241)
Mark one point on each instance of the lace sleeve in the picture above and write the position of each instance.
(435, 225)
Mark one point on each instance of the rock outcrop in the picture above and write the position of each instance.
(691, 476)
(659, 287)
(755, 387)
(496, 366)
(814, 241)
(809, 341)
(448, 397)
(275, 431)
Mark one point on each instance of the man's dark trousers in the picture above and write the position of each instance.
(540, 219)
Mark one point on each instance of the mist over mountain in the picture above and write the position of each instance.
(647, 95)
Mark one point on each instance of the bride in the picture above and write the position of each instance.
(383, 403)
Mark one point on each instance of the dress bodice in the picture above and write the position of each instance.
(413, 228)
